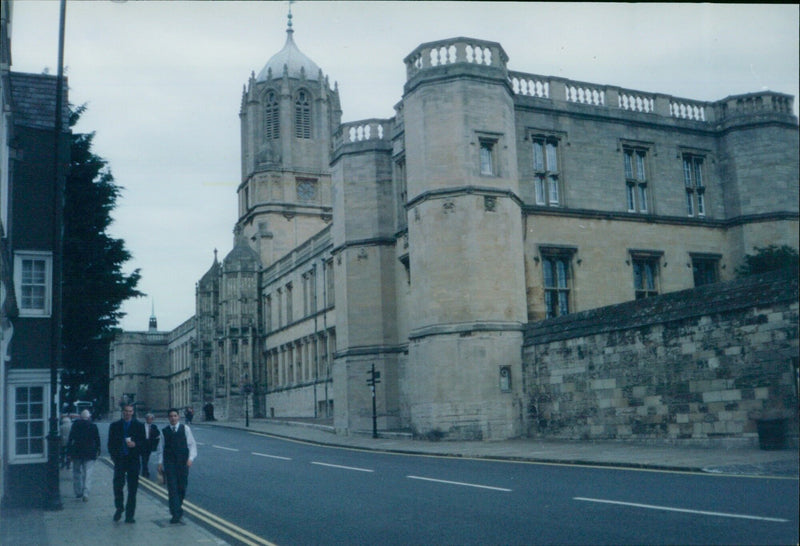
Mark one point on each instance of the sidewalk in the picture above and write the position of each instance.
(82, 523)
(736, 459)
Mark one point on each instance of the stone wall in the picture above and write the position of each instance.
(698, 364)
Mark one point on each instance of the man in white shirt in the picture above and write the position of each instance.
(176, 452)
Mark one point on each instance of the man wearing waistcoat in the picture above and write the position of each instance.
(176, 452)
(125, 440)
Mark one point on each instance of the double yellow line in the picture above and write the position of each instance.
(224, 526)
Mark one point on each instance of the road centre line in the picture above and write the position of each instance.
(212, 520)
(684, 510)
(343, 467)
(460, 483)
(271, 456)
(223, 447)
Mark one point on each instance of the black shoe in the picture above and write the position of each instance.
(175, 520)
(130, 520)
(117, 515)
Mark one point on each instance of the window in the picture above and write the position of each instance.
(695, 188)
(280, 307)
(309, 292)
(32, 280)
(329, 284)
(268, 313)
(302, 116)
(289, 303)
(546, 172)
(705, 268)
(28, 393)
(488, 161)
(636, 179)
(272, 120)
(401, 192)
(306, 190)
(556, 271)
(645, 274)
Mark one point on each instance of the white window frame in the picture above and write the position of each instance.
(27, 378)
(47, 258)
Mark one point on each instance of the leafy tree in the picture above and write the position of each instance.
(94, 285)
(769, 258)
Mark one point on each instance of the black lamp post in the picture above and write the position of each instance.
(53, 500)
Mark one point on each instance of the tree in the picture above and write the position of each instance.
(769, 258)
(94, 285)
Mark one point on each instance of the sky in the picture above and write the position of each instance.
(162, 81)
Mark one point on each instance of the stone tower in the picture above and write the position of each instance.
(288, 114)
(464, 376)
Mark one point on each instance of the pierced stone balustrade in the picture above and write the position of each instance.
(455, 51)
(360, 131)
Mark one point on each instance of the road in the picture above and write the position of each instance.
(294, 493)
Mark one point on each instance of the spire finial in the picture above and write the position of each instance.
(289, 26)
(153, 323)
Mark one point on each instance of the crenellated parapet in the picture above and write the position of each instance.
(607, 97)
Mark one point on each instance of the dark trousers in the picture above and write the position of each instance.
(145, 462)
(176, 476)
(126, 469)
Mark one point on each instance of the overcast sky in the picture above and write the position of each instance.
(163, 84)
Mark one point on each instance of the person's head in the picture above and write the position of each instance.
(173, 416)
(127, 412)
(85, 415)
(149, 418)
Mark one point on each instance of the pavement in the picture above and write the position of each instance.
(81, 523)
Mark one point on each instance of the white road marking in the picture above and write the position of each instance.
(684, 510)
(460, 483)
(344, 467)
(225, 448)
(271, 456)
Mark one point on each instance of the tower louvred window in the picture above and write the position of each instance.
(302, 116)
(272, 118)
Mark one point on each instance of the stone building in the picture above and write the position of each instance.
(424, 244)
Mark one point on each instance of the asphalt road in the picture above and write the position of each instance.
(293, 493)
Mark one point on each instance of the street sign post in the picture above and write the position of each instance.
(374, 379)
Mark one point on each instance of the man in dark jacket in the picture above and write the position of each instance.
(152, 436)
(83, 447)
(125, 441)
(176, 452)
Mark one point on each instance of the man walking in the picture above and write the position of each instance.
(175, 455)
(125, 441)
(152, 437)
(83, 447)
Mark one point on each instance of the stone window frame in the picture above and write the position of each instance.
(637, 175)
(695, 176)
(649, 264)
(552, 255)
(705, 259)
(401, 191)
(544, 175)
(489, 144)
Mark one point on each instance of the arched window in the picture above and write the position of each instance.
(272, 118)
(302, 116)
